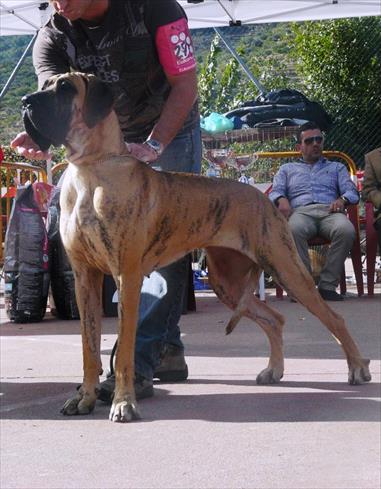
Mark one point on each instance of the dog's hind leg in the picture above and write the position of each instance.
(234, 277)
(124, 407)
(272, 324)
(303, 289)
(240, 308)
(358, 367)
(88, 288)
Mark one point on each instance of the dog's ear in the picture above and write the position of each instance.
(98, 101)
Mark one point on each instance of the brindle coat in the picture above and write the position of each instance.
(119, 216)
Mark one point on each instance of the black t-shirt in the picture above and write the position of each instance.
(121, 51)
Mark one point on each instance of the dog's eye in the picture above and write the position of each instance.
(65, 86)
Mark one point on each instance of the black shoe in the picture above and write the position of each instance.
(330, 295)
(143, 388)
(172, 366)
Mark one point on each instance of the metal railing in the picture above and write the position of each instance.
(295, 154)
(13, 174)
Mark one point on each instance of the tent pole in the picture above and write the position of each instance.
(17, 67)
(240, 61)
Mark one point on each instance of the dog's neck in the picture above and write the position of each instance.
(82, 149)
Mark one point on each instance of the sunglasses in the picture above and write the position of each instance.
(313, 139)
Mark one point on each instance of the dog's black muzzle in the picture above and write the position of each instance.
(46, 118)
(33, 119)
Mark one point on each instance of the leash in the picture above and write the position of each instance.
(112, 356)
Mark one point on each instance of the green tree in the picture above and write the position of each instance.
(339, 63)
(224, 86)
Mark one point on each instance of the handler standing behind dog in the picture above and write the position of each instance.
(143, 49)
(312, 194)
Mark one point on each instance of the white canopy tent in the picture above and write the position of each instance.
(19, 17)
(219, 13)
(22, 17)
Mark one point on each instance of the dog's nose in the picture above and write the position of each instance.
(25, 100)
(29, 100)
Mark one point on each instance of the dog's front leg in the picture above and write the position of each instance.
(124, 407)
(88, 287)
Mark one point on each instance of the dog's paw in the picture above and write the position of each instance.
(70, 408)
(359, 374)
(269, 376)
(77, 405)
(124, 411)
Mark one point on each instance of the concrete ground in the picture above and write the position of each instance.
(217, 430)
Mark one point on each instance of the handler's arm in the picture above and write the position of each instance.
(181, 99)
(176, 56)
(48, 58)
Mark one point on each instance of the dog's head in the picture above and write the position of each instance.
(50, 113)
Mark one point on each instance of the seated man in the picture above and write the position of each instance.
(312, 194)
(371, 189)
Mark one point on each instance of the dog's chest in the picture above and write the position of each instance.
(88, 230)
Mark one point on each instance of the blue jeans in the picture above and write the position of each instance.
(163, 291)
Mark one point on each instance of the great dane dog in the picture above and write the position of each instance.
(121, 217)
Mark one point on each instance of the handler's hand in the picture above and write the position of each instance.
(142, 152)
(284, 207)
(27, 147)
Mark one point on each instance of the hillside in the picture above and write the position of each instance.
(11, 49)
(261, 40)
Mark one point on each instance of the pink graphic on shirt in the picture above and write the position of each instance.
(175, 48)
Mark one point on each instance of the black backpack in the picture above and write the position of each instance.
(280, 107)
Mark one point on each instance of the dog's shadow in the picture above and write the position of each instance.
(287, 402)
(328, 401)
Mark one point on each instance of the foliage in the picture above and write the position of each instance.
(340, 64)
(223, 85)
(207, 75)
(12, 47)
